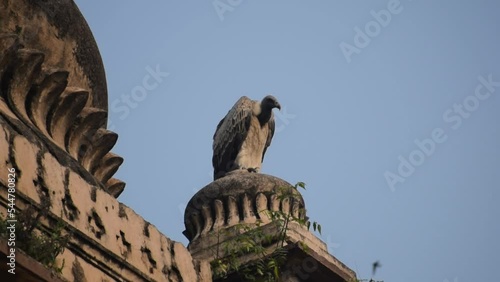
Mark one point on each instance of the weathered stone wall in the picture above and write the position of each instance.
(109, 240)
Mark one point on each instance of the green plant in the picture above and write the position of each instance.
(40, 245)
(252, 241)
(266, 262)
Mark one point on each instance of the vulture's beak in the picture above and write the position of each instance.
(277, 105)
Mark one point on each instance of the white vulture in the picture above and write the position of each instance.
(243, 135)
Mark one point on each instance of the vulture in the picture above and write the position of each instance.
(243, 135)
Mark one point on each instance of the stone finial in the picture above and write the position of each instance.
(238, 198)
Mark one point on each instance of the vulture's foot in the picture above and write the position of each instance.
(253, 169)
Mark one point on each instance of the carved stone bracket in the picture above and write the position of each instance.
(40, 97)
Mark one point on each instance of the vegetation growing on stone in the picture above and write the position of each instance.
(267, 262)
(43, 246)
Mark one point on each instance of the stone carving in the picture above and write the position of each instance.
(57, 29)
(40, 97)
(238, 198)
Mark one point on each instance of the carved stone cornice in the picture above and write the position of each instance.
(41, 99)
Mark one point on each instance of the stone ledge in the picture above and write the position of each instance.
(318, 250)
(307, 259)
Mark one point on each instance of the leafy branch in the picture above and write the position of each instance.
(251, 240)
(42, 246)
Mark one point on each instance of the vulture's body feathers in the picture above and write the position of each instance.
(243, 135)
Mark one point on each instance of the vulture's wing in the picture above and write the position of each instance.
(230, 134)
(270, 135)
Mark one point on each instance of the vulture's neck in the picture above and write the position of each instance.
(265, 115)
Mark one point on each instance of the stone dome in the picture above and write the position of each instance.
(239, 197)
(58, 30)
(52, 79)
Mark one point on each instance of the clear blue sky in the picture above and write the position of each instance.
(349, 114)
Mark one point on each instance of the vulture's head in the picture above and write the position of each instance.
(270, 102)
